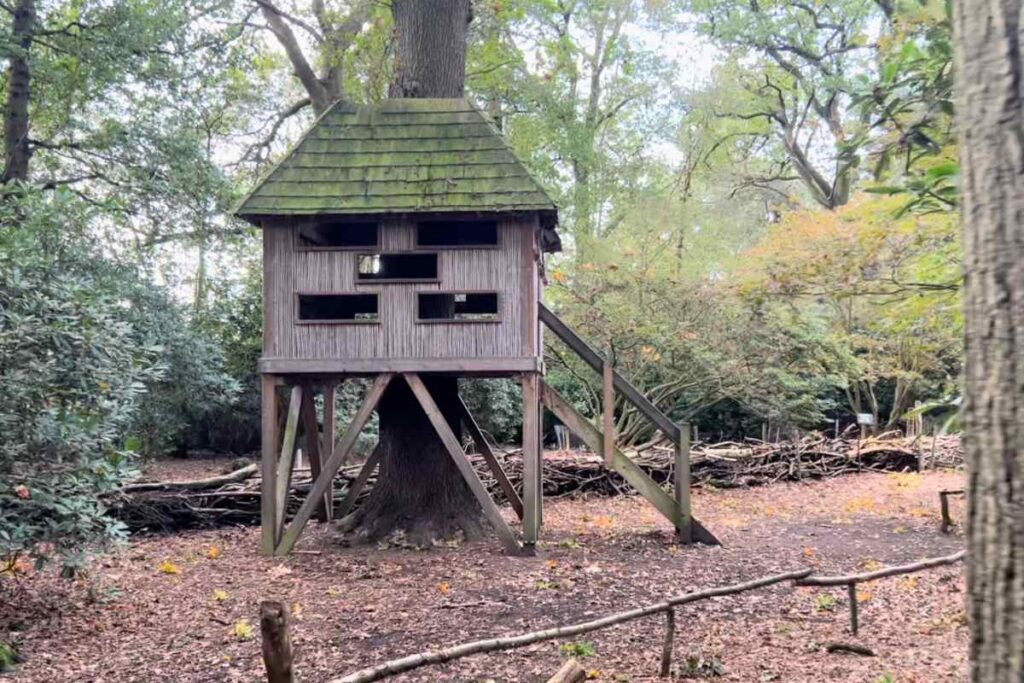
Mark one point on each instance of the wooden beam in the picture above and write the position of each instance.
(277, 642)
(682, 485)
(629, 470)
(594, 360)
(608, 410)
(531, 459)
(268, 466)
(480, 440)
(287, 459)
(330, 435)
(337, 459)
(357, 486)
(450, 441)
(311, 427)
(374, 366)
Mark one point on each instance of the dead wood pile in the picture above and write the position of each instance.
(235, 498)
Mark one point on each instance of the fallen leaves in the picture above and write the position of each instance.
(212, 553)
(168, 567)
(243, 629)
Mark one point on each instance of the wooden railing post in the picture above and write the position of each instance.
(608, 411)
(682, 484)
(277, 642)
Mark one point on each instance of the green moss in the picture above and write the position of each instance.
(402, 155)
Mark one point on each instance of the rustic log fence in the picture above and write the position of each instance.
(800, 577)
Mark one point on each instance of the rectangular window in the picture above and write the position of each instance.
(337, 234)
(338, 308)
(457, 234)
(457, 307)
(397, 267)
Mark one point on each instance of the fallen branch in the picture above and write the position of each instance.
(397, 666)
(881, 573)
(240, 474)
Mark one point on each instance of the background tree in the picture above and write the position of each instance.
(989, 69)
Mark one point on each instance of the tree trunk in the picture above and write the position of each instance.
(419, 494)
(990, 72)
(17, 150)
(430, 47)
(420, 497)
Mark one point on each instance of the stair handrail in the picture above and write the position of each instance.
(594, 359)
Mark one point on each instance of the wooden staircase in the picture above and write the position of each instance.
(676, 509)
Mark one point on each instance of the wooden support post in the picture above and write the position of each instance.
(608, 411)
(531, 459)
(666, 646)
(277, 642)
(480, 440)
(268, 467)
(341, 450)
(311, 428)
(540, 462)
(851, 590)
(287, 458)
(682, 485)
(451, 442)
(357, 486)
(330, 435)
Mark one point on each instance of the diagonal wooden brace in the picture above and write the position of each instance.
(451, 443)
(330, 468)
(357, 486)
(488, 454)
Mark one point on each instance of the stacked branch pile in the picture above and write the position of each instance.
(234, 498)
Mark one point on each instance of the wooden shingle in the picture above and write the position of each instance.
(401, 156)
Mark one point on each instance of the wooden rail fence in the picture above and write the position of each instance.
(802, 577)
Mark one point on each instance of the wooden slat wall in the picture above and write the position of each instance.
(288, 271)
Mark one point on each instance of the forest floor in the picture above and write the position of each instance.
(185, 607)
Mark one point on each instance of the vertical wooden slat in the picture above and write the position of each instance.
(268, 466)
(531, 461)
(608, 411)
(451, 442)
(682, 484)
(540, 459)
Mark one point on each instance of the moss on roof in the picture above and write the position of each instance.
(401, 156)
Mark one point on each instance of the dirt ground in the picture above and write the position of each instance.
(185, 607)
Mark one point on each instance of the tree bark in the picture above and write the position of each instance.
(17, 150)
(430, 47)
(990, 72)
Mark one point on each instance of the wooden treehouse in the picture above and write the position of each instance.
(400, 241)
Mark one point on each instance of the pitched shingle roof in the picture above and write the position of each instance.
(401, 156)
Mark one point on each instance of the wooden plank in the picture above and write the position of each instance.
(629, 470)
(330, 435)
(531, 461)
(594, 360)
(492, 462)
(312, 431)
(357, 486)
(338, 456)
(682, 485)
(287, 459)
(268, 466)
(608, 411)
(368, 366)
(450, 441)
